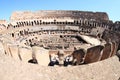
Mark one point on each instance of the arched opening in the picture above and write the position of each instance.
(54, 21)
(37, 22)
(40, 22)
(24, 23)
(27, 23)
(32, 23)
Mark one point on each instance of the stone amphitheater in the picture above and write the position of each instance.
(65, 39)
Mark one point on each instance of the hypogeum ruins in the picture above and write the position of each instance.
(59, 37)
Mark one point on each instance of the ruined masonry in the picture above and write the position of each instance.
(59, 37)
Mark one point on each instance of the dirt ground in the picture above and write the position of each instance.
(11, 69)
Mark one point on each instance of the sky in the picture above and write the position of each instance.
(112, 7)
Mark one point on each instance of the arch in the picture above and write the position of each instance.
(12, 34)
(17, 22)
(37, 22)
(13, 26)
(95, 24)
(54, 21)
(80, 22)
(91, 24)
(44, 22)
(24, 23)
(86, 22)
(27, 23)
(20, 23)
(40, 22)
(32, 23)
(76, 22)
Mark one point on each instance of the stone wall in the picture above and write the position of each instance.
(45, 14)
(117, 26)
(3, 22)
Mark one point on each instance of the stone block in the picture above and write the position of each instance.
(42, 55)
(26, 54)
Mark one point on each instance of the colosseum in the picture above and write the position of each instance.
(59, 37)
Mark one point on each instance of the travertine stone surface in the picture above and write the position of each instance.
(40, 36)
(22, 15)
(104, 70)
(55, 30)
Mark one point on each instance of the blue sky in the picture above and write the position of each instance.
(112, 7)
